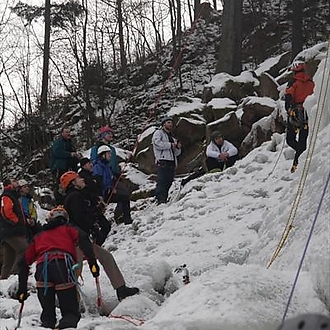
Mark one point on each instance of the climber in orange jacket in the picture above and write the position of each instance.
(296, 92)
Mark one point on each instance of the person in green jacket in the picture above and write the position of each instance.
(63, 157)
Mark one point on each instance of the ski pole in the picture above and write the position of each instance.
(20, 315)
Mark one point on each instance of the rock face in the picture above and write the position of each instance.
(255, 108)
(246, 126)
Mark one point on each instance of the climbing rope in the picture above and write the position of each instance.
(305, 250)
(278, 157)
(319, 112)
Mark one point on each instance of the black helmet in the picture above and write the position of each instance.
(215, 135)
(307, 322)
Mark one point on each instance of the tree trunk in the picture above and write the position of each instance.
(297, 17)
(123, 60)
(197, 7)
(45, 70)
(89, 116)
(230, 57)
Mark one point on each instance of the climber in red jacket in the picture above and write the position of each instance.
(296, 92)
(54, 250)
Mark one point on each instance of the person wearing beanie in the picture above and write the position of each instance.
(54, 251)
(220, 153)
(166, 150)
(13, 229)
(81, 215)
(298, 88)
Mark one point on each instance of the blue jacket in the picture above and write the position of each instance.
(102, 171)
(113, 164)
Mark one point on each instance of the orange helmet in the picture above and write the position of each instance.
(66, 178)
(58, 211)
(298, 66)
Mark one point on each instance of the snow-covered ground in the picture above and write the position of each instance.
(225, 228)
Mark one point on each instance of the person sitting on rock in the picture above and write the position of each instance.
(220, 153)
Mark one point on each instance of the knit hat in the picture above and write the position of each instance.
(56, 212)
(84, 161)
(104, 130)
(215, 135)
(165, 119)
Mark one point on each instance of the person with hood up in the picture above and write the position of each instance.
(220, 153)
(54, 251)
(298, 88)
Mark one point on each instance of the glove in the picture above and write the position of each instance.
(94, 267)
(22, 294)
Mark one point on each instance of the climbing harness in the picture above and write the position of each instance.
(310, 151)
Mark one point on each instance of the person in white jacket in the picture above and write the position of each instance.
(220, 153)
(166, 150)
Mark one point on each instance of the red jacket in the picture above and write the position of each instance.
(301, 86)
(58, 238)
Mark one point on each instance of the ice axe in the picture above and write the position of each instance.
(103, 310)
(20, 315)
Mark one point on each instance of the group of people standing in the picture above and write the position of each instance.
(73, 231)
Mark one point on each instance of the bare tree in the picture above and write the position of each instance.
(45, 69)
(229, 57)
(297, 23)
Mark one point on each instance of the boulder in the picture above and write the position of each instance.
(191, 133)
(218, 108)
(229, 126)
(255, 108)
(262, 131)
(268, 86)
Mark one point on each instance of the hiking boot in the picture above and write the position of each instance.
(125, 291)
(294, 167)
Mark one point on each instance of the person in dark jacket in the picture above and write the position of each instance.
(105, 138)
(63, 157)
(77, 205)
(54, 250)
(296, 93)
(12, 228)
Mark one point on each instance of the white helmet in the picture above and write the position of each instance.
(22, 183)
(103, 148)
(307, 322)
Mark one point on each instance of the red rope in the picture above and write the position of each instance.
(160, 93)
(128, 318)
